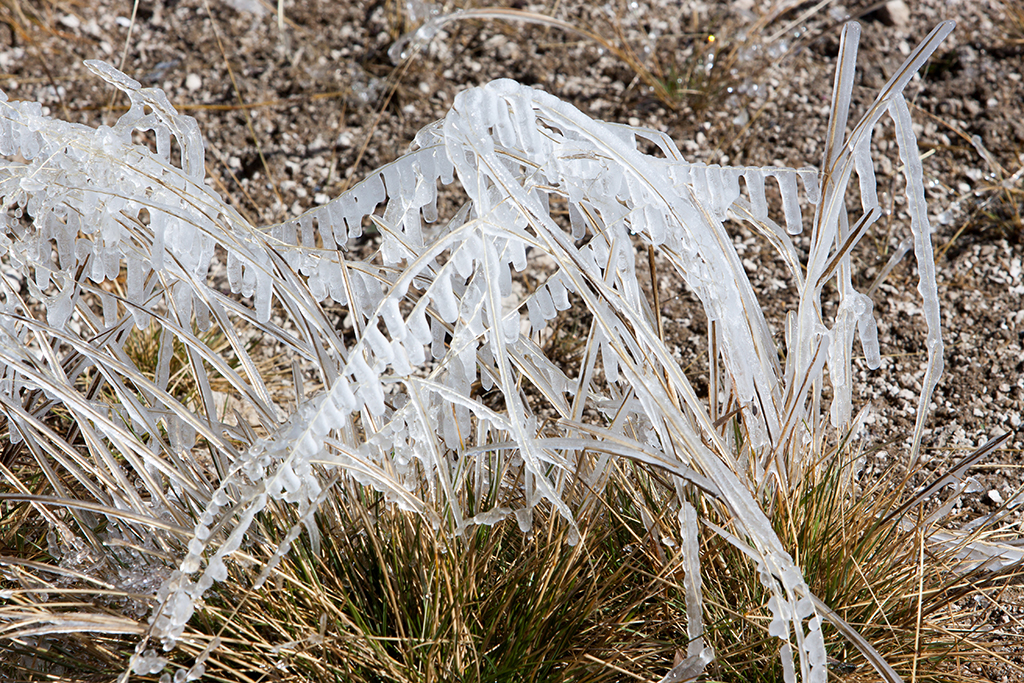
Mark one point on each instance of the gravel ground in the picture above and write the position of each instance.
(745, 85)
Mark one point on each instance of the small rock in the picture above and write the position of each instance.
(193, 82)
(895, 13)
(995, 497)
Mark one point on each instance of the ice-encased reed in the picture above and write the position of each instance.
(435, 310)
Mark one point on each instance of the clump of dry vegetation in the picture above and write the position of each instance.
(230, 449)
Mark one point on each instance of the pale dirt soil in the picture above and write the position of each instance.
(324, 87)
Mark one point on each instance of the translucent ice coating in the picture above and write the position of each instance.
(433, 380)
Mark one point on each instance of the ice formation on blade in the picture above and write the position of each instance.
(443, 329)
(691, 560)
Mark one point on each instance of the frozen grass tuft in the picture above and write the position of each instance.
(207, 470)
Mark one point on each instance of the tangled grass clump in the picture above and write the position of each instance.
(362, 527)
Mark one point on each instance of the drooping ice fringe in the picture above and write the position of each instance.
(435, 310)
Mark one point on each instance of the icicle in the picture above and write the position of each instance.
(814, 645)
(317, 287)
(577, 225)
(728, 185)
(559, 294)
(329, 415)
(392, 315)
(517, 251)
(445, 167)
(809, 176)
(323, 227)
(332, 219)
(98, 272)
(462, 259)
(248, 287)
(400, 359)
(699, 184)
(342, 396)
(537, 321)
(334, 279)
(370, 391)
(418, 327)
(504, 131)
(781, 615)
(866, 173)
(788, 668)
(655, 223)
(867, 329)
(504, 279)
(60, 307)
(444, 298)
(524, 121)
(395, 181)
(109, 305)
(366, 195)
(437, 334)
(429, 210)
(510, 326)
(417, 356)
(611, 362)
(284, 233)
(264, 292)
(65, 234)
(545, 304)
(366, 291)
(378, 343)
(524, 518)
(306, 233)
(790, 200)
(754, 178)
